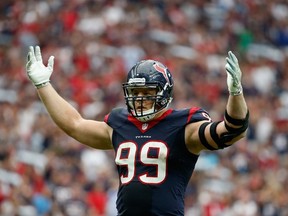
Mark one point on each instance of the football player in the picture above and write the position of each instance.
(156, 147)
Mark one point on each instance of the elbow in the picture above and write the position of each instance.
(239, 137)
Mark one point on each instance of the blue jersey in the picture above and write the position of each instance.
(153, 162)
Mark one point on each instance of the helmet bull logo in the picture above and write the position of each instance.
(162, 69)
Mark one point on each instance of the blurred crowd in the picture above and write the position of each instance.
(95, 42)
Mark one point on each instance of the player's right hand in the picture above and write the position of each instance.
(37, 72)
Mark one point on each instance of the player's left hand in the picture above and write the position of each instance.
(37, 72)
(234, 75)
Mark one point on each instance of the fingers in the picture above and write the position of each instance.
(230, 70)
(34, 55)
(230, 66)
(232, 63)
(31, 54)
(51, 63)
(38, 54)
(30, 58)
(29, 62)
(233, 57)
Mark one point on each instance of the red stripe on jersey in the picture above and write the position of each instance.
(191, 113)
(106, 118)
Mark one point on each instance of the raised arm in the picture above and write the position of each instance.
(218, 135)
(95, 134)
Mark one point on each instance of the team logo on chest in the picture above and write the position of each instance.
(144, 126)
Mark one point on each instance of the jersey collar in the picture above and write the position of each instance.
(145, 126)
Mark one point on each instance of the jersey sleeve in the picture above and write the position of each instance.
(198, 114)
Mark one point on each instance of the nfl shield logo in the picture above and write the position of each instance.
(144, 126)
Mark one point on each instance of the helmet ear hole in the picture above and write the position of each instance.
(148, 74)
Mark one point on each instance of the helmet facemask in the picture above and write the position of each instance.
(134, 103)
(148, 74)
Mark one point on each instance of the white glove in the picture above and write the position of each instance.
(234, 75)
(37, 72)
